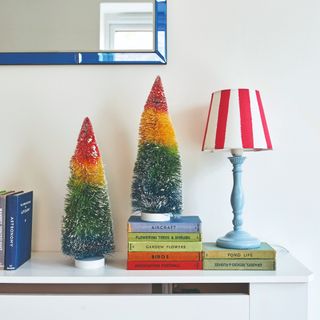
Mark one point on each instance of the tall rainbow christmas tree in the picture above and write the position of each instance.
(156, 187)
(87, 232)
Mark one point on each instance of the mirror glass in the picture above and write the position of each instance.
(82, 31)
(126, 26)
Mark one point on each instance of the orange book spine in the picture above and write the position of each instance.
(164, 265)
(164, 256)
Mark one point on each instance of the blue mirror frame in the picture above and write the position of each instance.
(158, 56)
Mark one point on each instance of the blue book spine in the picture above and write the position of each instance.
(18, 229)
(170, 227)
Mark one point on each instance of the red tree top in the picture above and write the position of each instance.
(156, 98)
(87, 150)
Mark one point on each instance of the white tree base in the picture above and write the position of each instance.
(90, 263)
(155, 217)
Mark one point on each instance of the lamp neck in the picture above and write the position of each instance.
(237, 199)
(236, 152)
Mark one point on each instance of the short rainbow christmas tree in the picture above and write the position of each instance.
(87, 231)
(156, 187)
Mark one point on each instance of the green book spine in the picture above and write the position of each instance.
(165, 246)
(225, 254)
(164, 237)
(2, 229)
(239, 264)
(211, 251)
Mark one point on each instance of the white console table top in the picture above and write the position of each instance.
(54, 268)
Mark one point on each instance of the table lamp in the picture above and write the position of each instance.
(236, 122)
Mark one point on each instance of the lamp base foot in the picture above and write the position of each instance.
(238, 240)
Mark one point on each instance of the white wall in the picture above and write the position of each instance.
(271, 45)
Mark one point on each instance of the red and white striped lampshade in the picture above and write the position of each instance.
(236, 120)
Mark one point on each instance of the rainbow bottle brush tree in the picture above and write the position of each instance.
(87, 233)
(156, 187)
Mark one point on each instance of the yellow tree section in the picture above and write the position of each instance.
(88, 173)
(156, 127)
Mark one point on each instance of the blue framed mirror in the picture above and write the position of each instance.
(83, 32)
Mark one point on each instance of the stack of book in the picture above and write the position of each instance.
(215, 258)
(172, 245)
(15, 228)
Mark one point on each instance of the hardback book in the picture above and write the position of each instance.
(157, 236)
(239, 264)
(164, 256)
(182, 224)
(2, 228)
(3, 195)
(165, 246)
(164, 265)
(211, 251)
(18, 229)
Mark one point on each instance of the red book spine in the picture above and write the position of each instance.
(164, 256)
(164, 265)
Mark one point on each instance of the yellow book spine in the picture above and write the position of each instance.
(164, 246)
(239, 264)
(239, 254)
(164, 237)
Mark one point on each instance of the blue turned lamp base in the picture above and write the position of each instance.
(238, 239)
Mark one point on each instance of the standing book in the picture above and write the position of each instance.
(18, 229)
(2, 228)
(3, 195)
